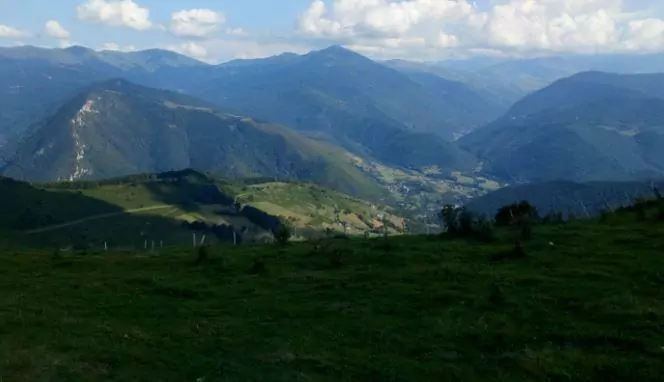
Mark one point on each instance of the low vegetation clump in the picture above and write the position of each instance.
(283, 234)
(515, 214)
(461, 223)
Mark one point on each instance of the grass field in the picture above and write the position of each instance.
(307, 205)
(590, 307)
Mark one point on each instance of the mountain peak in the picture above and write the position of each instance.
(335, 48)
(78, 50)
(336, 51)
(161, 54)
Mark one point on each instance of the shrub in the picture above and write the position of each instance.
(484, 231)
(283, 234)
(466, 222)
(512, 213)
(450, 217)
(459, 222)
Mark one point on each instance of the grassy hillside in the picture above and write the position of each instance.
(587, 308)
(122, 213)
(316, 208)
(169, 207)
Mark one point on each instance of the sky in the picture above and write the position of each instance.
(220, 30)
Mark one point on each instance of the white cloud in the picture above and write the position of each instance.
(223, 49)
(555, 25)
(54, 29)
(347, 18)
(196, 22)
(191, 49)
(645, 34)
(9, 32)
(65, 44)
(419, 27)
(236, 32)
(124, 13)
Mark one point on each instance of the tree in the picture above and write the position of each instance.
(450, 217)
(283, 234)
(515, 213)
(466, 222)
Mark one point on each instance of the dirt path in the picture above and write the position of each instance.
(95, 217)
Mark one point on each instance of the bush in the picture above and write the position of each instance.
(466, 222)
(484, 231)
(459, 222)
(450, 217)
(513, 213)
(283, 234)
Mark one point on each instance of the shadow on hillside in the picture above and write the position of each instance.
(78, 221)
(68, 218)
(189, 189)
(26, 207)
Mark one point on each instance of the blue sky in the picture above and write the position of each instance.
(416, 29)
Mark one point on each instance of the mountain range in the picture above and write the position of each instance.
(334, 94)
(117, 128)
(568, 198)
(588, 127)
(332, 117)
